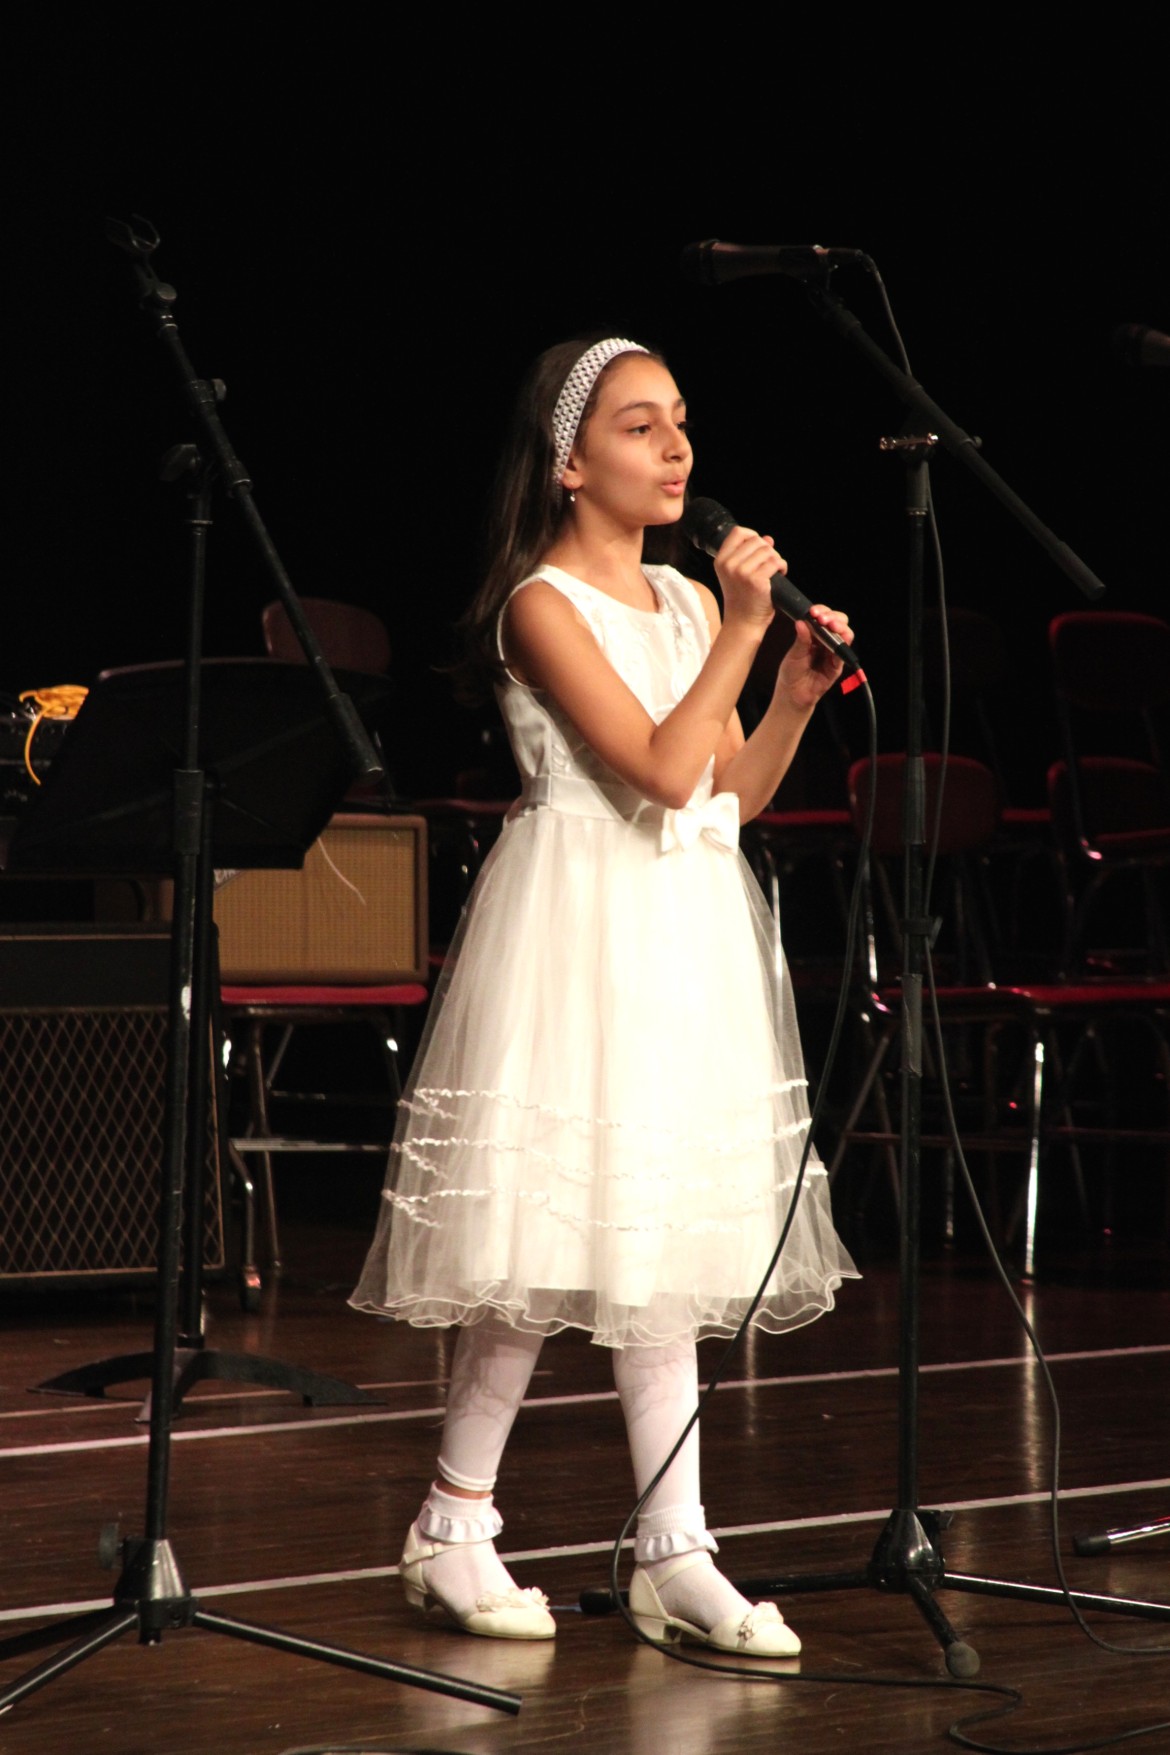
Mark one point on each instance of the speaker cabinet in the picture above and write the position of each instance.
(83, 1035)
(356, 912)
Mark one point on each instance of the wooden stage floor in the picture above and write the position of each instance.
(294, 1517)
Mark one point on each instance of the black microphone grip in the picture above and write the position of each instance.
(708, 524)
(713, 262)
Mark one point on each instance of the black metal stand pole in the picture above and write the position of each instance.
(151, 1594)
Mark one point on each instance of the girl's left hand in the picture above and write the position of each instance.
(808, 670)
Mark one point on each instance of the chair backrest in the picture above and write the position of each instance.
(970, 801)
(1111, 678)
(1110, 796)
(1112, 662)
(350, 637)
(986, 677)
(970, 814)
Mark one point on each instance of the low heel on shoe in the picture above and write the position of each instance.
(417, 1595)
(656, 1629)
(762, 1632)
(517, 1614)
(648, 1614)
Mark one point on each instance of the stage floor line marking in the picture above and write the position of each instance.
(370, 1574)
(181, 1435)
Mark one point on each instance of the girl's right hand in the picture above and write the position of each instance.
(745, 567)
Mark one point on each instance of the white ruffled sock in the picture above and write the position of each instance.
(698, 1593)
(467, 1568)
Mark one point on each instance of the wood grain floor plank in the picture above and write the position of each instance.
(294, 1517)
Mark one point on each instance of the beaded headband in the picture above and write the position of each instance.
(575, 394)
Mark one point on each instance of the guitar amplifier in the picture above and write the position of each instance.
(83, 1038)
(356, 911)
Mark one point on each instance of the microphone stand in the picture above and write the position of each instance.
(908, 1556)
(151, 1594)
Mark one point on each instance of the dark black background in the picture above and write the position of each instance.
(374, 220)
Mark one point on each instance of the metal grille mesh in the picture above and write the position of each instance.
(81, 1114)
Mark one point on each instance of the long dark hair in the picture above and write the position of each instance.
(527, 511)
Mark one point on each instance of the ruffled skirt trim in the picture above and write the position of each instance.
(609, 1109)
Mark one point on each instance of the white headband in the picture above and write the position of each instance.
(575, 394)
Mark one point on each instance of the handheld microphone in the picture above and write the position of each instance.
(711, 263)
(708, 524)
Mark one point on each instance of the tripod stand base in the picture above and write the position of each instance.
(152, 1597)
(907, 1558)
(193, 1364)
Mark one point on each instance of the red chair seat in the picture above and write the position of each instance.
(404, 993)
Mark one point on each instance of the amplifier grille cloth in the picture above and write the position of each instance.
(82, 1096)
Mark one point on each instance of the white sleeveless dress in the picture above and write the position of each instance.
(606, 1115)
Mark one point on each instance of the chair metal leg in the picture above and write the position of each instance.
(877, 1060)
(872, 1083)
(1045, 1048)
(1032, 1198)
(250, 1285)
(1154, 896)
(258, 1127)
(389, 1030)
(277, 1061)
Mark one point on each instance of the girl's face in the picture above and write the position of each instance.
(632, 458)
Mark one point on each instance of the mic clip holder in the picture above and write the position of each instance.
(141, 240)
(919, 443)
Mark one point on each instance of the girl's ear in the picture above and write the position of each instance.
(572, 475)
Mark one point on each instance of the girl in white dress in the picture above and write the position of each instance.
(607, 1115)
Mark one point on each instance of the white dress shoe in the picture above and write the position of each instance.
(762, 1632)
(510, 1614)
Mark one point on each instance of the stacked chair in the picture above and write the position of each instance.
(1020, 877)
(1079, 1057)
(1110, 793)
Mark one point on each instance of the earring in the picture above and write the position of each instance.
(572, 499)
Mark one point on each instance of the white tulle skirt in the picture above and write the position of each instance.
(608, 1110)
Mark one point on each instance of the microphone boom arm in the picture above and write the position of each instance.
(954, 440)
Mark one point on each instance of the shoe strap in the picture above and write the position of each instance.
(682, 1563)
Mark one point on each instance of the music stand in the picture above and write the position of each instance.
(275, 773)
(265, 741)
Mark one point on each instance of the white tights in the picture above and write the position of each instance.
(658, 1391)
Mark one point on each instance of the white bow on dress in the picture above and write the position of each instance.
(718, 820)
